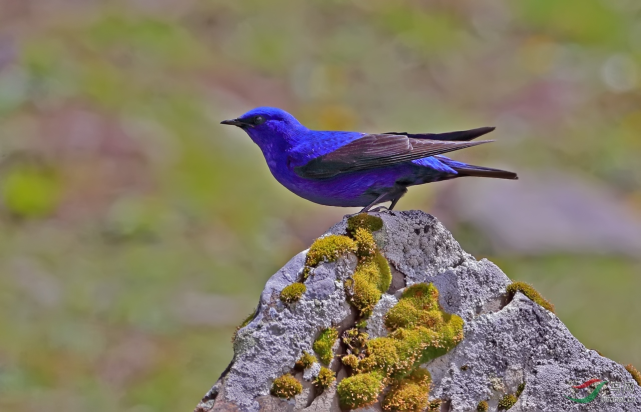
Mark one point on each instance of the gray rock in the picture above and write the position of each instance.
(506, 343)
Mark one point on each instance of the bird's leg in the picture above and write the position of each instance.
(377, 200)
(389, 209)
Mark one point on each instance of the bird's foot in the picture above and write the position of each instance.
(380, 209)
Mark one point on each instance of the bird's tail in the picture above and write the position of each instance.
(464, 169)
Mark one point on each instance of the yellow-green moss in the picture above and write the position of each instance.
(291, 293)
(365, 221)
(364, 242)
(371, 278)
(520, 389)
(306, 360)
(325, 378)
(435, 405)
(359, 390)
(529, 291)
(634, 372)
(409, 394)
(323, 345)
(248, 319)
(351, 361)
(286, 387)
(328, 249)
(507, 401)
(354, 339)
(361, 324)
(419, 332)
(482, 406)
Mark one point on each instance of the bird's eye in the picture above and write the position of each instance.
(259, 120)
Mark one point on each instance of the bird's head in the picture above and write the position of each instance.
(264, 123)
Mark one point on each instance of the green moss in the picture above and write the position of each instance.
(482, 406)
(520, 389)
(371, 278)
(354, 339)
(634, 372)
(507, 401)
(364, 242)
(293, 292)
(248, 319)
(365, 221)
(362, 324)
(359, 390)
(286, 387)
(351, 361)
(409, 394)
(529, 291)
(325, 378)
(306, 360)
(385, 277)
(435, 405)
(324, 343)
(419, 332)
(328, 249)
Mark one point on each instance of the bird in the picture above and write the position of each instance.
(353, 169)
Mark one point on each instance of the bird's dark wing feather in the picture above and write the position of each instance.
(461, 136)
(374, 151)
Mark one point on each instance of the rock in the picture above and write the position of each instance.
(506, 343)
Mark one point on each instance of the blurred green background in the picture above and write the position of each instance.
(136, 232)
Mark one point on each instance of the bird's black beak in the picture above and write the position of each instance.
(234, 122)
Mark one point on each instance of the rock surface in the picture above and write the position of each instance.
(506, 343)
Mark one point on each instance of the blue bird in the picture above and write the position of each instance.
(356, 169)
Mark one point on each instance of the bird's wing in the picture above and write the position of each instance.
(460, 136)
(374, 151)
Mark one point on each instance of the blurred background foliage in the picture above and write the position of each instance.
(136, 232)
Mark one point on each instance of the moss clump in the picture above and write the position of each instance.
(520, 389)
(351, 361)
(371, 278)
(634, 372)
(409, 394)
(364, 242)
(418, 306)
(354, 339)
(325, 378)
(529, 291)
(248, 319)
(293, 292)
(306, 360)
(507, 401)
(361, 324)
(482, 406)
(324, 343)
(419, 331)
(286, 387)
(364, 221)
(328, 249)
(359, 390)
(435, 405)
